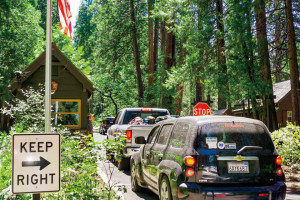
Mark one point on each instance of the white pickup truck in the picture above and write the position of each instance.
(122, 126)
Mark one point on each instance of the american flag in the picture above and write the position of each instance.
(65, 17)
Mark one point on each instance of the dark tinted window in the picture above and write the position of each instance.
(227, 136)
(164, 134)
(152, 135)
(129, 115)
(111, 120)
(179, 135)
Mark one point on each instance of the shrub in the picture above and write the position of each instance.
(79, 178)
(28, 113)
(287, 142)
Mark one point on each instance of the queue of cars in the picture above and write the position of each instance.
(106, 123)
(208, 157)
(131, 123)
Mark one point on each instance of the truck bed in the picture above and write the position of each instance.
(139, 130)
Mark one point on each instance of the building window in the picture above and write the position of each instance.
(66, 112)
(289, 116)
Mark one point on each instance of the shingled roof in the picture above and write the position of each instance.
(281, 89)
(63, 60)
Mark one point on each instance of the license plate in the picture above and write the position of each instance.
(238, 167)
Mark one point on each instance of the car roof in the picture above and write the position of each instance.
(138, 109)
(215, 119)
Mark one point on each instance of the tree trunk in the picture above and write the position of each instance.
(156, 26)
(199, 79)
(162, 49)
(199, 89)
(136, 55)
(162, 36)
(293, 62)
(278, 51)
(169, 49)
(269, 112)
(169, 61)
(223, 89)
(151, 47)
(249, 57)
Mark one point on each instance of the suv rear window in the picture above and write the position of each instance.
(129, 115)
(228, 136)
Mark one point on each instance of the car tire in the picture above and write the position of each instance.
(134, 183)
(123, 164)
(165, 189)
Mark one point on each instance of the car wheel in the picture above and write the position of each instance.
(165, 189)
(134, 184)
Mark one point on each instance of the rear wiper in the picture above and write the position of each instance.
(249, 148)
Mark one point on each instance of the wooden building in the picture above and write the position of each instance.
(282, 100)
(71, 89)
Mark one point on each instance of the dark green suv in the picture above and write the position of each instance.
(209, 157)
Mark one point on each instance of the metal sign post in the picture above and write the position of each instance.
(47, 75)
(48, 70)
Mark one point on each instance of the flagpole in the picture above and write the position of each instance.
(47, 77)
(48, 68)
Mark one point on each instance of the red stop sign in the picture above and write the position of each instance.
(201, 109)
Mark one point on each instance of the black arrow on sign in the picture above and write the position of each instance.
(42, 163)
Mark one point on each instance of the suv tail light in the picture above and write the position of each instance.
(278, 160)
(279, 171)
(128, 135)
(189, 172)
(189, 161)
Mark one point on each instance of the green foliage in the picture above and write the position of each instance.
(114, 148)
(79, 154)
(5, 161)
(287, 142)
(6, 169)
(79, 177)
(19, 36)
(28, 112)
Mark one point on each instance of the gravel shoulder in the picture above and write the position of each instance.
(292, 179)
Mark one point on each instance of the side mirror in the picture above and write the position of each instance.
(140, 140)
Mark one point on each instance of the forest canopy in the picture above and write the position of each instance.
(165, 53)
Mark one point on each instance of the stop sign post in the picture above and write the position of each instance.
(201, 109)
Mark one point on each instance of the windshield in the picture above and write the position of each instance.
(129, 115)
(232, 137)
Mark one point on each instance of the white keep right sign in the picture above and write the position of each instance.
(36, 163)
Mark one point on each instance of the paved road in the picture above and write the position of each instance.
(121, 180)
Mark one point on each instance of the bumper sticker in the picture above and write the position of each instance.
(212, 142)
